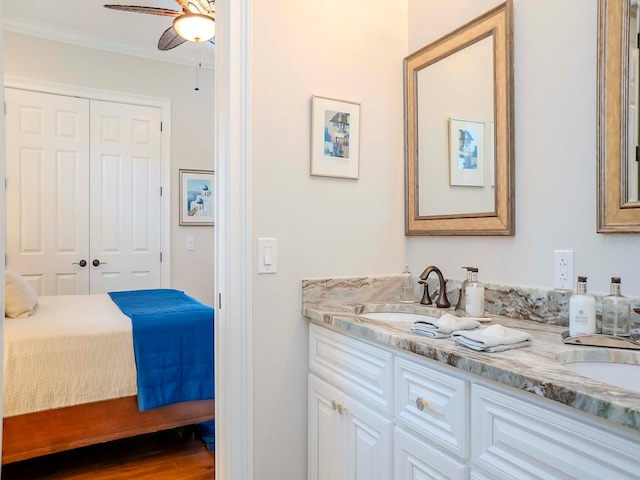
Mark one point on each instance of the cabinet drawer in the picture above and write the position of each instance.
(513, 438)
(362, 370)
(433, 404)
(415, 459)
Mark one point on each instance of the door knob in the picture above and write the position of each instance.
(82, 263)
(97, 262)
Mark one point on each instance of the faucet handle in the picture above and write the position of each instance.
(443, 301)
(426, 298)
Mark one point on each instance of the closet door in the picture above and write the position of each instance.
(124, 197)
(47, 171)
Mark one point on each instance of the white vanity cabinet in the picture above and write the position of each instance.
(381, 413)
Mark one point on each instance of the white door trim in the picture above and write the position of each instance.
(233, 272)
(164, 105)
(2, 222)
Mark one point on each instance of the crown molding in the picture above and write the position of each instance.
(92, 40)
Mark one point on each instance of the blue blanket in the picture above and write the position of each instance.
(173, 345)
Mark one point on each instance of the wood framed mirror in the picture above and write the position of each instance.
(459, 147)
(617, 114)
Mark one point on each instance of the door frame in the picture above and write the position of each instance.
(233, 339)
(164, 104)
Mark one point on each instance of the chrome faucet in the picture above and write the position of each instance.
(442, 301)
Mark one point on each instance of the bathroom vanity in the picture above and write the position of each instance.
(384, 403)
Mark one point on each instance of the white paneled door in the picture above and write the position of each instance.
(125, 197)
(83, 193)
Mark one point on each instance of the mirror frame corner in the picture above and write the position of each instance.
(499, 22)
(614, 213)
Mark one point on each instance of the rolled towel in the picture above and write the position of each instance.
(443, 326)
(495, 338)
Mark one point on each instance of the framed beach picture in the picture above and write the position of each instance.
(466, 153)
(335, 138)
(196, 197)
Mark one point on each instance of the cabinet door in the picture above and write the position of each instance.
(369, 440)
(326, 432)
(417, 460)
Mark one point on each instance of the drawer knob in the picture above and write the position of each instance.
(334, 405)
(421, 403)
(342, 409)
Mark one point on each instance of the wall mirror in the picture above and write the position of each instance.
(618, 94)
(458, 94)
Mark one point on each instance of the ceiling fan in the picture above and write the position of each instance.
(195, 23)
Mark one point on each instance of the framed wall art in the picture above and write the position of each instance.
(466, 153)
(335, 138)
(196, 197)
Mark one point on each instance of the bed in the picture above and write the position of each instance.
(72, 375)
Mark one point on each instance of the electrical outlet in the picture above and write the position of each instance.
(563, 271)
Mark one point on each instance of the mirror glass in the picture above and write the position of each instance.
(618, 126)
(455, 103)
(458, 128)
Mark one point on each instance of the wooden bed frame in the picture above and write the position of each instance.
(50, 431)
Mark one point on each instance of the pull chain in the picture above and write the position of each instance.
(198, 65)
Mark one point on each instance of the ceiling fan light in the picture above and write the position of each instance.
(195, 27)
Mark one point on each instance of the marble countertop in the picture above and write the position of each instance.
(536, 369)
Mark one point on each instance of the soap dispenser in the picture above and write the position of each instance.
(474, 293)
(582, 311)
(462, 299)
(616, 312)
(407, 291)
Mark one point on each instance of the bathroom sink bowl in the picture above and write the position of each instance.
(395, 317)
(612, 367)
(621, 375)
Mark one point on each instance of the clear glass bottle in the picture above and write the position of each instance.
(407, 290)
(582, 311)
(616, 312)
(474, 292)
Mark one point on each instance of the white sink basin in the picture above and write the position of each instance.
(396, 316)
(623, 375)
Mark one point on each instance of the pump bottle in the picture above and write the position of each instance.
(462, 300)
(582, 311)
(474, 293)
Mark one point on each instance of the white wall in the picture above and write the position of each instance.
(555, 152)
(191, 125)
(324, 226)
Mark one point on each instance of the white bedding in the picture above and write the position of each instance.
(74, 349)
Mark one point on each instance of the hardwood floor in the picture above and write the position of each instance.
(177, 454)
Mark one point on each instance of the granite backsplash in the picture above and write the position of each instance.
(536, 304)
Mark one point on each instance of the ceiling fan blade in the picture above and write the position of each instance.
(165, 12)
(170, 39)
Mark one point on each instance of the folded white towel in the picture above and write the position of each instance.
(443, 326)
(495, 338)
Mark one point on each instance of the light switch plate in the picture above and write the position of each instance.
(267, 255)
(191, 243)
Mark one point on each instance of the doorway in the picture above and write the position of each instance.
(83, 193)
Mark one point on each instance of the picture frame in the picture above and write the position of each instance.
(335, 138)
(466, 153)
(196, 197)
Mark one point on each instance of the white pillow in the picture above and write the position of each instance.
(19, 298)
